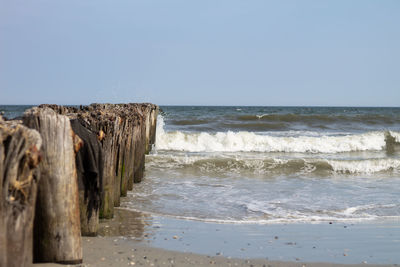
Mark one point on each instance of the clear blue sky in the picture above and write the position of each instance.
(204, 52)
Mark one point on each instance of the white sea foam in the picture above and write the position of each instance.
(351, 211)
(262, 116)
(364, 166)
(396, 136)
(249, 141)
(293, 217)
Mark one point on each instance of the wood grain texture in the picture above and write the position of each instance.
(19, 157)
(57, 231)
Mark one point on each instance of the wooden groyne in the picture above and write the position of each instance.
(90, 157)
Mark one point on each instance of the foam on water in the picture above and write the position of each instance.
(250, 141)
(365, 166)
(225, 164)
(285, 202)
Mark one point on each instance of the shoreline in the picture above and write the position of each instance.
(139, 239)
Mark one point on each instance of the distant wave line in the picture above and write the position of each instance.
(362, 118)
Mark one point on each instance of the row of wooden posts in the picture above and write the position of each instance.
(61, 169)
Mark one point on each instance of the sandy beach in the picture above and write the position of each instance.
(133, 239)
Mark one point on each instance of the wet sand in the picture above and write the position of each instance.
(107, 251)
(138, 239)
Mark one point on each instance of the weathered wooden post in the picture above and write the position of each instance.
(102, 121)
(57, 230)
(130, 162)
(111, 146)
(140, 144)
(19, 156)
(153, 124)
(117, 148)
(124, 157)
(146, 113)
(127, 149)
(89, 165)
(135, 139)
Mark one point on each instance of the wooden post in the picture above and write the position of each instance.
(124, 158)
(139, 136)
(108, 118)
(140, 151)
(130, 163)
(116, 166)
(107, 200)
(135, 156)
(153, 124)
(129, 113)
(146, 113)
(101, 120)
(57, 230)
(19, 156)
(89, 164)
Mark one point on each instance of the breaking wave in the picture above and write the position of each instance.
(245, 141)
(224, 164)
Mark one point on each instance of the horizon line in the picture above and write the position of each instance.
(205, 105)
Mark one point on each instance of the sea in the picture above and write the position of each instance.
(273, 165)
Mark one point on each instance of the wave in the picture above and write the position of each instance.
(320, 118)
(257, 127)
(245, 141)
(189, 122)
(224, 164)
(278, 216)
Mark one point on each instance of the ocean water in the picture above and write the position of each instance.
(13, 111)
(273, 165)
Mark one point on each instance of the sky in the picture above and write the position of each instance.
(201, 52)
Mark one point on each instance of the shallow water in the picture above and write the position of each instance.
(201, 169)
(346, 243)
